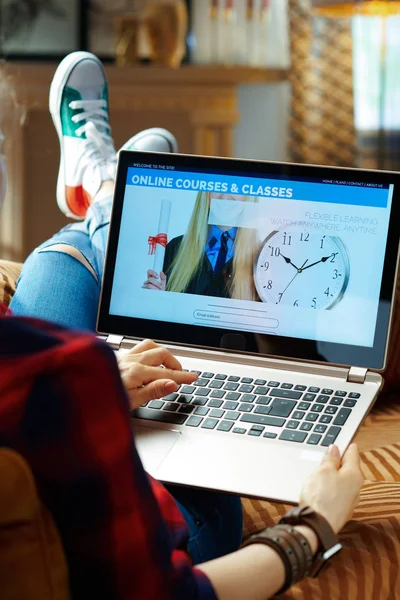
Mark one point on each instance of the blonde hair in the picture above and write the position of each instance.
(191, 252)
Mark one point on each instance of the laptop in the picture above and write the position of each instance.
(275, 283)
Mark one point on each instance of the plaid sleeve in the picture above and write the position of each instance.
(64, 408)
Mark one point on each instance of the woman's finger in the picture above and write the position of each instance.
(146, 374)
(153, 391)
(143, 346)
(159, 356)
(149, 286)
(163, 276)
(151, 273)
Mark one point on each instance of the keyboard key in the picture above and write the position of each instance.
(314, 439)
(203, 391)
(172, 406)
(171, 397)
(270, 435)
(185, 399)
(260, 382)
(248, 397)
(207, 375)
(262, 420)
(225, 426)
(298, 414)
(240, 430)
(245, 407)
(160, 416)
(202, 411)
(292, 424)
(261, 390)
(262, 410)
(232, 415)
(287, 386)
(327, 391)
(354, 395)
(304, 405)
(209, 423)
(320, 428)
(198, 401)
(230, 405)
(331, 410)
(349, 403)
(232, 387)
(309, 397)
(342, 416)
(300, 388)
(325, 419)
(285, 394)
(187, 409)
(312, 417)
(145, 403)
(322, 399)
(217, 394)
(317, 408)
(194, 421)
(187, 389)
(292, 436)
(217, 413)
(232, 396)
(156, 404)
(341, 393)
(197, 372)
(245, 388)
(282, 408)
(263, 400)
(331, 436)
(215, 385)
(313, 390)
(258, 427)
(246, 380)
(335, 401)
(221, 376)
(233, 378)
(306, 426)
(215, 403)
(273, 383)
(201, 382)
(254, 433)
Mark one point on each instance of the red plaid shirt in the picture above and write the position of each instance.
(63, 407)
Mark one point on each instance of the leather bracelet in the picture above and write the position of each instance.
(305, 550)
(287, 547)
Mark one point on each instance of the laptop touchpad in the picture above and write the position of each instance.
(153, 445)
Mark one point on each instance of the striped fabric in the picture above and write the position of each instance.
(9, 273)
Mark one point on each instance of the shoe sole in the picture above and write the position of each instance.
(153, 131)
(56, 90)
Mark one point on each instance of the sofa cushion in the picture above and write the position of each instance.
(32, 563)
(9, 273)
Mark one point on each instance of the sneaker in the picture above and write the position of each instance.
(79, 109)
(152, 140)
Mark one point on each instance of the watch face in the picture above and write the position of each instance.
(302, 270)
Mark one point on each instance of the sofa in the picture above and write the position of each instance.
(368, 568)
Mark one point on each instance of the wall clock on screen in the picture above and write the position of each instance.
(302, 269)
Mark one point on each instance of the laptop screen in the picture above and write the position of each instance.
(262, 255)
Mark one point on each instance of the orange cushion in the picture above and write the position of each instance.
(32, 563)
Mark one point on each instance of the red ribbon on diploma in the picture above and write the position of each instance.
(161, 239)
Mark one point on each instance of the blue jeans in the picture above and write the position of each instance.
(57, 287)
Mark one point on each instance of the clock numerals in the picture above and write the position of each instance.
(327, 292)
(274, 251)
(334, 257)
(265, 266)
(279, 298)
(287, 240)
(314, 303)
(336, 274)
(296, 303)
(304, 237)
(322, 243)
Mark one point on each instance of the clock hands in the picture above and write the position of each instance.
(291, 281)
(289, 262)
(323, 260)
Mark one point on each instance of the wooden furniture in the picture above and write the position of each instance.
(198, 104)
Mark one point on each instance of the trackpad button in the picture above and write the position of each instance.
(154, 445)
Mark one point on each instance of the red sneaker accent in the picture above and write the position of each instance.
(78, 200)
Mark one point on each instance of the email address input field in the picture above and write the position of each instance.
(234, 318)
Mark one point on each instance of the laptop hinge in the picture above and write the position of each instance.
(357, 375)
(115, 341)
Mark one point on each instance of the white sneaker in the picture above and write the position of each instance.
(155, 139)
(79, 109)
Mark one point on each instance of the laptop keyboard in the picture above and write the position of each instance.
(246, 406)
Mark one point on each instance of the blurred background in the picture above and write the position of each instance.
(300, 80)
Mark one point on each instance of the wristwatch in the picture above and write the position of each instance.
(329, 544)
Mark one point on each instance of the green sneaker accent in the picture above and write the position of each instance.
(68, 126)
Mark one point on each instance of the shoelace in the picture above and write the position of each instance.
(96, 127)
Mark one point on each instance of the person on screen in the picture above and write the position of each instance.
(211, 260)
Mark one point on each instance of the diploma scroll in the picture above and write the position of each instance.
(158, 243)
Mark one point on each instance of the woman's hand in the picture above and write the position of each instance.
(155, 281)
(150, 371)
(333, 491)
